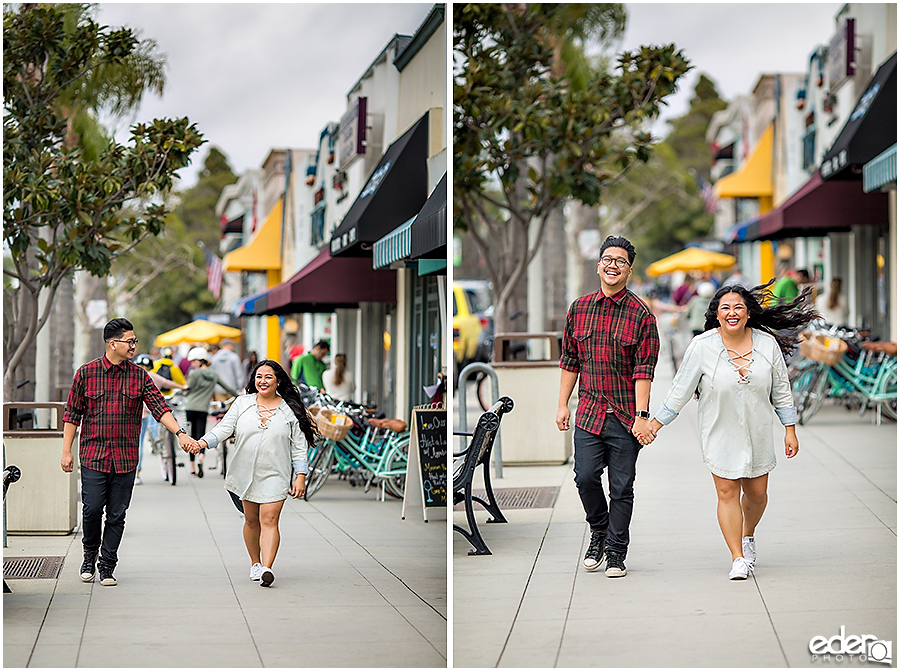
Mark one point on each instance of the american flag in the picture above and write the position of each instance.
(213, 273)
(706, 192)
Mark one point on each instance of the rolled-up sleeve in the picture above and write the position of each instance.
(782, 397)
(648, 352)
(75, 402)
(568, 359)
(298, 448)
(154, 400)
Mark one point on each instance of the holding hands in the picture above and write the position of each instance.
(188, 444)
(645, 430)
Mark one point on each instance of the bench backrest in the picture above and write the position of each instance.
(483, 437)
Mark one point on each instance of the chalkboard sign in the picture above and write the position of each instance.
(431, 432)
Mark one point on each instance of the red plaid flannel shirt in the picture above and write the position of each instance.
(610, 341)
(107, 401)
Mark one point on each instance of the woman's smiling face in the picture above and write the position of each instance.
(265, 379)
(732, 313)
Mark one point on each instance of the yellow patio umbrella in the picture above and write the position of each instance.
(692, 258)
(197, 331)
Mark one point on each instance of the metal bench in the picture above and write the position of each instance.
(10, 475)
(465, 463)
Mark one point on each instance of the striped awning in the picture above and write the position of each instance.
(881, 170)
(392, 247)
(254, 304)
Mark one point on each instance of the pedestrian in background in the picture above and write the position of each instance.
(165, 367)
(249, 364)
(227, 365)
(610, 347)
(338, 380)
(106, 398)
(148, 423)
(200, 382)
(685, 292)
(785, 289)
(737, 370)
(272, 430)
(832, 306)
(696, 307)
(736, 277)
(308, 368)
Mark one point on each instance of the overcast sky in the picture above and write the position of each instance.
(255, 77)
(732, 43)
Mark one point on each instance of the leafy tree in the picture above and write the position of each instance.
(162, 296)
(660, 204)
(526, 139)
(63, 211)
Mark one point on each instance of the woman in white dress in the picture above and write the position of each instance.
(272, 431)
(737, 366)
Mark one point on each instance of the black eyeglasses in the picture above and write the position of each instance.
(131, 343)
(619, 261)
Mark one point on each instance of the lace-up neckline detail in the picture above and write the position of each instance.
(265, 414)
(740, 363)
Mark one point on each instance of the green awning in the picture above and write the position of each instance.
(881, 170)
(392, 247)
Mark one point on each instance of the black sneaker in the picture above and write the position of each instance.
(89, 566)
(594, 555)
(106, 577)
(200, 470)
(615, 565)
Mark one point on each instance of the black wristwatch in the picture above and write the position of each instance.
(179, 432)
(642, 414)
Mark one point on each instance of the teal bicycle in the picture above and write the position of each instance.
(858, 372)
(370, 451)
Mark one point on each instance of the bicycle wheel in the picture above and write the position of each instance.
(815, 396)
(395, 485)
(319, 469)
(888, 386)
(800, 385)
(169, 457)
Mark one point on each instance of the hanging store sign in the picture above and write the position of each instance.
(352, 134)
(841, 64)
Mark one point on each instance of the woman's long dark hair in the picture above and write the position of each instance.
(772, 319)
(291, 396)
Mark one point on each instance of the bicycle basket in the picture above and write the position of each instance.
(332, 425)
(823, 349)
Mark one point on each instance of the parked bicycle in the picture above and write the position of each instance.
(357, 447)
(217, 410)
(840, 364)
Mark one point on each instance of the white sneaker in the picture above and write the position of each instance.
(266, 577)
(749, 546)
(256, 572)
(740, 569)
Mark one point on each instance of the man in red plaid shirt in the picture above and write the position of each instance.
(610, 347)
(107, 399)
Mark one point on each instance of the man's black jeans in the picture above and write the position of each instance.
(110, 492)
(615, 449)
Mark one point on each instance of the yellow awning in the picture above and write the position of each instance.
(754, 179)
(263, 252)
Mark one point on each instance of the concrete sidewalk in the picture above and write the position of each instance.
(827, 548)
(355, 586)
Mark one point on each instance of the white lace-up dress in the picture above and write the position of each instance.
(736, 401)
(266, 454)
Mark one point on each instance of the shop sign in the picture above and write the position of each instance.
(352, 133)
(841, 64)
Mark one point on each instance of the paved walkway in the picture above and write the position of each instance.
(827, 548)
(355, 586)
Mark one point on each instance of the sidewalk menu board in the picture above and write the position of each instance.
(431, 431)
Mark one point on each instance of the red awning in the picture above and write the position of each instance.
(328, 282)
(822, 206)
